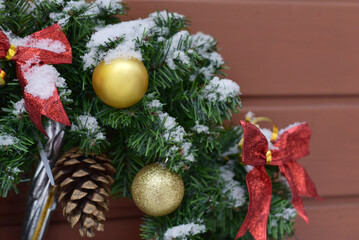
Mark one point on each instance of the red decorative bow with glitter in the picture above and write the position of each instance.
(291, 145)
(48, 46)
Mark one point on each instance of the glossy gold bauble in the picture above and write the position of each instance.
(120, 83)
(157, 191)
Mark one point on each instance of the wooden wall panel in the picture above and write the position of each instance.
(333, 219)
(283, 47)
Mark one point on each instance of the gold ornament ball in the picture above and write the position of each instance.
(121, 83)
(157, 191)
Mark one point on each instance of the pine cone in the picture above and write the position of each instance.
(83, 187)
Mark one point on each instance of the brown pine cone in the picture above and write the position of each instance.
(83, 187)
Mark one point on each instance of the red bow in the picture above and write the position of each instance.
(290, 146)
(27, 57)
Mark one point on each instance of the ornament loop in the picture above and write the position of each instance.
(256, 120)
(10, 53)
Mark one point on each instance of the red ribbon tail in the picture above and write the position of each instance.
(300, 184)
(304, 184)
(297, 201)
(35, 118)
(260, 193)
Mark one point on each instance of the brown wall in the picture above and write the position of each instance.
(295, 61)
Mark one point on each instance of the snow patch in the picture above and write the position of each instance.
(201, 128)
(184, 231)
(220, 90)
(42, 80)
(7, 140)
(19, 107)
(232, 187)
(90, 125)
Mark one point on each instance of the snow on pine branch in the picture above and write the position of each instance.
(128, 33)
(165, 16)
(175, 133)
(199, 128)
(86, 8)
(7, 140)
(12, 173)
(156, 104)
(204, 45)
(174, 52)
(2, 5)
(232, 187)
(89, 125)
(19, 107)
(172, 133)
(287, 214)
(184, 231)
(220, 90)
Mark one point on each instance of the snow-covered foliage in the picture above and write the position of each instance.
(220, 90)
(90, 126)
(85, 8)
(184, 231)
(127, 32)
(287, 214)
(232, 187)
(19, 107)
(2, 4)
(7, 140)
(199, 128)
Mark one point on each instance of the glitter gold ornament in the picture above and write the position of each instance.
(157, 191)
(121, 83)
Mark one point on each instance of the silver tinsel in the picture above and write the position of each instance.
(40, 187)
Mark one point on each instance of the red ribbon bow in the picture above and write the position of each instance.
(290, 146)
(24, 56)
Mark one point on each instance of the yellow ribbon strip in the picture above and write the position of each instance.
(10, 53)
(3, 78)
(269, 157)
(265, 119)
(40, 223)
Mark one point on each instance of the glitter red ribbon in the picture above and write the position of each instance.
(51, 107)
(289, 146)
